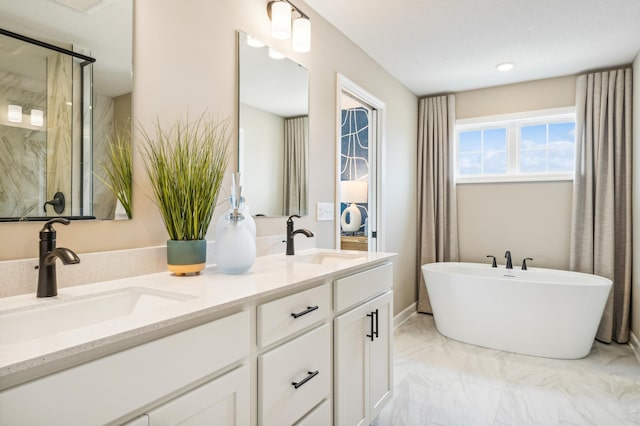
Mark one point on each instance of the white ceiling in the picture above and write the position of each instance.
(436, 46)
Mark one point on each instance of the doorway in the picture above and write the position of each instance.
(359, 141)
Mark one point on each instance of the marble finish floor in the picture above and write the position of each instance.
(440, 381)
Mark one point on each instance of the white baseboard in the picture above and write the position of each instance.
(405, 314)
(635, 345)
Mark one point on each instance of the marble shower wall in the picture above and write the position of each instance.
(22, 146)
(36, 162)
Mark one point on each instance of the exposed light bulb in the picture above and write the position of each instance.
(302, 35)
(281, 20)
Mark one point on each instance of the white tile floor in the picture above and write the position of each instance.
(439, 381)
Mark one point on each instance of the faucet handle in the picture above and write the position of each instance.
(290, 220)
(48, 227)
(524, 262)
(494, 264)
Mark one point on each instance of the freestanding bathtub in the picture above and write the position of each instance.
(540, 312)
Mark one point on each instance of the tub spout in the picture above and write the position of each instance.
(507, 255)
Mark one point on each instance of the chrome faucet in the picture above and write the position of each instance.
(47, 282)
(291, 233)
(507, 254)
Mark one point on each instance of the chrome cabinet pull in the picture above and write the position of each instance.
(305, 312)
(311, 375)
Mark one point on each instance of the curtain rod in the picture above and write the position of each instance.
(47, 45)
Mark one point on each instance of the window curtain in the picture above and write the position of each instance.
(437, 214)
(295, 166)
(601, 219)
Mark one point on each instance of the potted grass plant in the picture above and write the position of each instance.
(186, 163)
(118, 169)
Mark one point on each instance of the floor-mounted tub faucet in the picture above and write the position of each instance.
(507, 255)
(291, 233)
(47, 282)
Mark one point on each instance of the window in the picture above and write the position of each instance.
(531, 146)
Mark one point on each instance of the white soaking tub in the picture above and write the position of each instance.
(540, 312)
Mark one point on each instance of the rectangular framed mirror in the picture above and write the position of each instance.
(273, 136)
(60, 113)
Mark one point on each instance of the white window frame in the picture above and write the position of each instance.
(513, 123)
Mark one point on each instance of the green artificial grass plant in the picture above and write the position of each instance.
(118, 168)
(186, 165)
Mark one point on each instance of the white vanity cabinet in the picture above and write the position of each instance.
(294, 376)
(109, 388)
(363, 362)
(224, 401)
(312, 349)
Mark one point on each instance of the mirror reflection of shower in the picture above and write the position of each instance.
(44, 158)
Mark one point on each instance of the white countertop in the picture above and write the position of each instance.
(207, 293)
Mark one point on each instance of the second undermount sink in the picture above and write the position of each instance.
(60, 315)
(328, 258)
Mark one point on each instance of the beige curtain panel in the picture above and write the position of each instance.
(437, 216)
(296, 134)
(601, 221)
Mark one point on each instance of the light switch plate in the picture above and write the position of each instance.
(324, 212)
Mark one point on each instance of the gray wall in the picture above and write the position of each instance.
(532, 219)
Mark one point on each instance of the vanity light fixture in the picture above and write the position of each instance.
(505, 66)
(37, 117)
(280, 12)
(14, 113)
(302, 35)
(280, 20)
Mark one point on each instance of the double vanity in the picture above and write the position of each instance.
(303, 339)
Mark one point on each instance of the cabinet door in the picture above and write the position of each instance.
(351, 365)
(222, 402)
(381, 355)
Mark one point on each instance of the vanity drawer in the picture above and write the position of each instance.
(305, 361)
(285, 316)
(351, 290)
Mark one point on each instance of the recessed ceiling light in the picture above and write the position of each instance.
(505, 66)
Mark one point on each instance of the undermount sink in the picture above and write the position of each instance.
(60, 315)
(328, 258)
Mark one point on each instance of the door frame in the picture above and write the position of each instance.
(376, 145)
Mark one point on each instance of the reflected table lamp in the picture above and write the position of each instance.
(352, 191)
